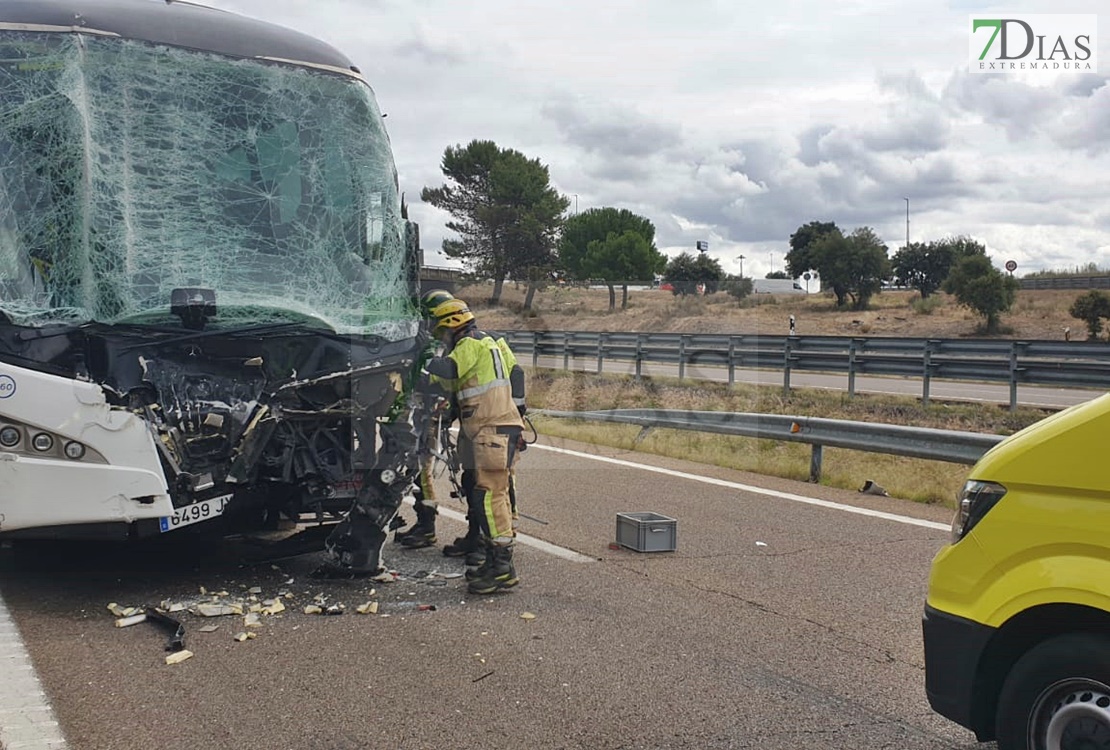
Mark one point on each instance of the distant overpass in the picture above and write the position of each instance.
(440, 277)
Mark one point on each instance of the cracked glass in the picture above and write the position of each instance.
(128, 170)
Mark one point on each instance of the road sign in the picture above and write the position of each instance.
(703, 246)
(1011, 266)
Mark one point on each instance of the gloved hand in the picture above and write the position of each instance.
(522, 409)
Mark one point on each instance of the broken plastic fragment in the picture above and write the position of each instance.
(253, 620)
(178, 656)
(370, 608)
(254, 590)
(385, 577)
(218, 610)
(527, 616)
(761, 544)
(125, 622)
(313, 609)
(208, 628)
(273, 606)
(244, 636)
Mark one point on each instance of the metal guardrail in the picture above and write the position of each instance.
(953, 446)
(1076, 364)
(1067, 282)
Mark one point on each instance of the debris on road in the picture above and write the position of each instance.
(208, 628)
(527, 616)
(871, 488)
(126, 622)
(272, 606)
(244, 636)
(119, 611)
(218, 610)
(761, 544)
(178, 656)
(370, 608)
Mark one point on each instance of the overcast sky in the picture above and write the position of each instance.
(735, 124)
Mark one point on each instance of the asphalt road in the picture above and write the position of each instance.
(775, 624)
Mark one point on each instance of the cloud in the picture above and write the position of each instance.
(738, 123)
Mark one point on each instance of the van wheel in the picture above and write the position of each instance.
(1057, 697)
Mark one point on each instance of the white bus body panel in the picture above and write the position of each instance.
(44, 491)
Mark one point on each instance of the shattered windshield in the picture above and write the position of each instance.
(129, 170)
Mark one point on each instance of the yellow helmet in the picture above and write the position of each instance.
(451, 315)
(434, 299)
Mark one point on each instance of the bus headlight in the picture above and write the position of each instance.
(74, 450)
(42, 442)
(10, 436)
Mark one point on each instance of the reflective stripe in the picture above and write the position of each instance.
(518, 401)
(498, 364)
(478, 390)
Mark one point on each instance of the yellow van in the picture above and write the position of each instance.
(1017, 620)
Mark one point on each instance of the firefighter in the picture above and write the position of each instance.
(423, 532)
(490, 427)
(471, 545)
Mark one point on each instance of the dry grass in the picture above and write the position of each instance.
(914, 479)
(1035, 314)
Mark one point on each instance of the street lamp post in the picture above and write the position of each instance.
(907, 200)
(576, 204)
(771, 255)
(741, 259)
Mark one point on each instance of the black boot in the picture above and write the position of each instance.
(423, 532)
(499, 574)
(466, 545)
(477, 563)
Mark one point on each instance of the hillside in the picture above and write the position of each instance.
(1035, 314)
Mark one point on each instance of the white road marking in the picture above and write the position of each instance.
(530, 541)
(27, 721)
(756, 490)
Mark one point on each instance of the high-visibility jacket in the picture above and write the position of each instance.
(475, 371)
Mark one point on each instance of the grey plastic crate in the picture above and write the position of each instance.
(647, 532)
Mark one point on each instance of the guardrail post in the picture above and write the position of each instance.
(786, 367)
(682, 358)
(1014, 374)
(815, 462)
(566, 350)
(731, 361)
(535, 349)
(600, 351)
(928, 366)
(852, 368)
(639, 355)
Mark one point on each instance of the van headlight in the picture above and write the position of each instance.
(976, 499)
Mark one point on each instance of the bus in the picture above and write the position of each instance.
(207, 277)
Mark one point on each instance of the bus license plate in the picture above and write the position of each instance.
(194, 513)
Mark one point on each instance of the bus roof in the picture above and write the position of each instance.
(178, 24)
